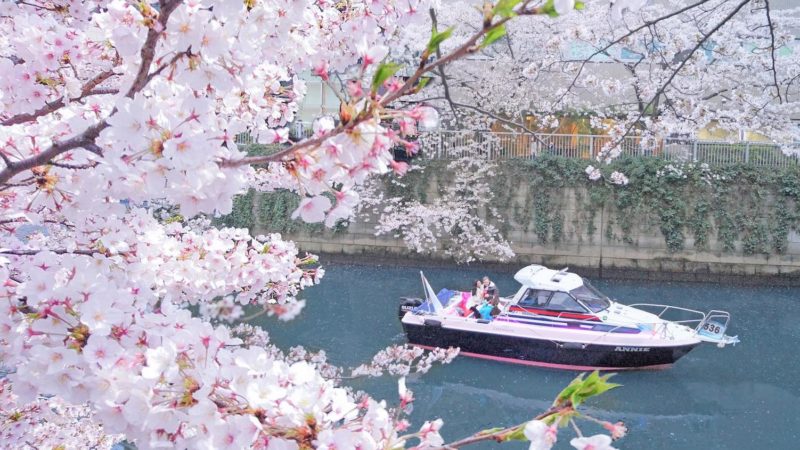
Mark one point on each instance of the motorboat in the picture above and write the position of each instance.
(558, 319)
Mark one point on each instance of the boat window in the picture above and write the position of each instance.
(591, 297)
(534, 298)
(561, 301)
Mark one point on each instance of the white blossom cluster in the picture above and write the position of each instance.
(115, 111)
(685, 170)
(452, 224)
(655, 68)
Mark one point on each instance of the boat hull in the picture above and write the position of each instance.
(542, 352)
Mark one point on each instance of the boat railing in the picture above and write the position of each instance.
(711, 326)
(700, 316)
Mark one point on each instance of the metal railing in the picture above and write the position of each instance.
(448, 144)
(451, 144)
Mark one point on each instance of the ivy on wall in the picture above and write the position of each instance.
(740, 208)
(733, 209)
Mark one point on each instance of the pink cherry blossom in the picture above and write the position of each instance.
(596, 442)
(312, 209)
(618, 430)
(540, 435)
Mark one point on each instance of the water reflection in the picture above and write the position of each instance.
(744, 397)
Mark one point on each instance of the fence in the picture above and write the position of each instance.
(451, 144)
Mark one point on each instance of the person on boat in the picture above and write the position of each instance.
(485, 311)
(495, 302)
(489, 287)
(477, 299)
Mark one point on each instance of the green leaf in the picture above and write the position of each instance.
(384, 71)
(493, 35)
(517, 435)
(549, 8)
(437, 38)
(423, 82)
(580, 6)
(505, 8)
(580, 389)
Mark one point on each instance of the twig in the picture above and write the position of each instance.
(678, 69)
(87, 137)
(441, 71)
(87, 90)
(59, 251)
(498, 436)
(166, 7)
(772, 51)
(506, 121)
(469, 46)
(622, 38)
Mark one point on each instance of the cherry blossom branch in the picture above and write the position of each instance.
(5, 158)
(503, 120)
(84, 140)
(59, 251)
(468, 47)
(772, 50)
(498, 436)
(87, 137)
(148, 51)
(172, 61)
(630, 33)
(441, 70)
(675, 72)
(87, 90)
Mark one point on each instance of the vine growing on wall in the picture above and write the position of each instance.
(732, 209)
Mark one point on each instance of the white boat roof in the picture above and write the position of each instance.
(540, 277)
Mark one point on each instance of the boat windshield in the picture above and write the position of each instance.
(591, 297)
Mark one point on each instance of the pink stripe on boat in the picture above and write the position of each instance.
(551, 365)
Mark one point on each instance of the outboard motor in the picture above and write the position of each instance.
(406, 305)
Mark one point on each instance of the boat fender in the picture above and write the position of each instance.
(433, 323)
(572, 345)
(406, 305)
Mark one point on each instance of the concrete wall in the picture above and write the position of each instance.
(595, 254)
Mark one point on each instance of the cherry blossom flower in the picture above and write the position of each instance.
(540, 435)
(312, 209)
(618, 430)
(596, 442)
(406, 396)
(593, 173)
(370, 54)
(429, 436)
(564, 6)
(618, 178)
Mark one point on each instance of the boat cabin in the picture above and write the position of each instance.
(559, 293)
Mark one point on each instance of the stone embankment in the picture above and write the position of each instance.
(730, 226)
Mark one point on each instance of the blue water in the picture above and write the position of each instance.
(742, 397)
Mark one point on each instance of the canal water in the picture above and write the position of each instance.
(742, 397)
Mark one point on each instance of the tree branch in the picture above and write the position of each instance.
(470, 46)
(772, 51)
(86, 139)
(499, 435)
(678, 69)
(622, 38)
(87, 90)
(148, 51)
(58, 251)
(505, 121)
(441, 71)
